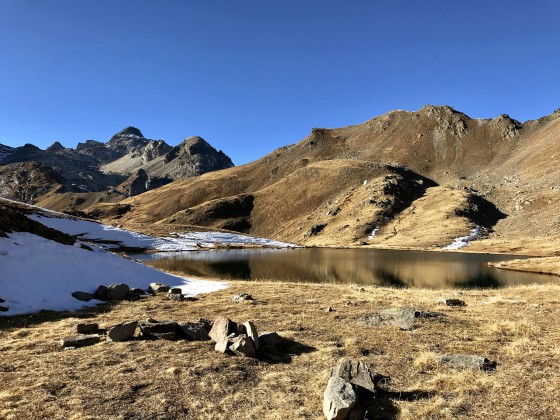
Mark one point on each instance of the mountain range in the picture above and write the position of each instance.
(128, 164)
(422, 179)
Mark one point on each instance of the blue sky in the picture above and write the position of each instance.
(251, 76)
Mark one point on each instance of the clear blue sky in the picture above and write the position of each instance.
(251, 76)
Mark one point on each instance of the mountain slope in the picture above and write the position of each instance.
(337, 185)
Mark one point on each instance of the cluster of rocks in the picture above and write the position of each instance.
(240, 339)
(150, 329)
(121, 291)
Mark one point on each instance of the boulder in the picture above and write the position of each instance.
(242, 297)
(175, 291)
(467, 361)
(221, 328)
(80, 340)
(196, 330)
(87, 328)
(164, 330)
(158, 288)
(101, 293)
(252, 333)
(4, 309)
(356, 373)
(117, 291)
(122, 332)
(135, 291)
(222, 346)
(176, 297)
(453, 302)
(339, 399)
(83, 296)
(242, 345)
(2, 300)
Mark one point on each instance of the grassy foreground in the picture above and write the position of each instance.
(517, 327)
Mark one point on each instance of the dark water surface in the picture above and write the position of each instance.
(361, 266)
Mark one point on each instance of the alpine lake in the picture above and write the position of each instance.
(387, 268)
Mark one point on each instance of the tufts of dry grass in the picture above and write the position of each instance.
(163, 380)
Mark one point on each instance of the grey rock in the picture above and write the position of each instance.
(242, 345)
(221, 328)
(404, 318)
(176, 297)
(135, 291)
(164, 330)
(339, 399)
(242, 297)
(87, 328)
(252, 333)
(453, 302)
(83, 296)
(175, 291)
(122, 332)
(101, 293)
(158, 288)
(117, 291)
(467, 361)
(4, 309)
(80, 340)
(2, 300)
(357, 373)
(222, 346)
(196, 330)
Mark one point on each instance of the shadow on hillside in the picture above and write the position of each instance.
(383, 405)
(27, 320)
(284, 350)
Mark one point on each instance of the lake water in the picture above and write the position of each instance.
(360, 266)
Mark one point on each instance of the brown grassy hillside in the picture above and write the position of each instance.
(423, 178)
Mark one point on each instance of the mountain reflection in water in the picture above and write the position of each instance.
(357, 266)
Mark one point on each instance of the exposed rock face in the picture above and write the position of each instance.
(95, 166)
(339, 399)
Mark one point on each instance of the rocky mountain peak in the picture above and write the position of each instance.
(55, 147)
(129, 131)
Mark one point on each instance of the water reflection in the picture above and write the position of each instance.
(360, 266)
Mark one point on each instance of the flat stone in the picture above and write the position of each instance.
(101, 293)
(80, 340)
(242, 345)
(339, 399)
(165, 330)
(404, 318)
(122, 332)
(453, 302)
(87, 328)
(242, 297)
(158, 288)
(196, 330)
(467, 361)
(221, 328)
(252, 333)
(357, 373)
(82, 296)
(118, 291)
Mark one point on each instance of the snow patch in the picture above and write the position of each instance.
(37, 273)
(189, 241)
(463, 241)
(373, 233)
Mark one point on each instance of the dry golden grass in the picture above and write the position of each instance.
(164, 380)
